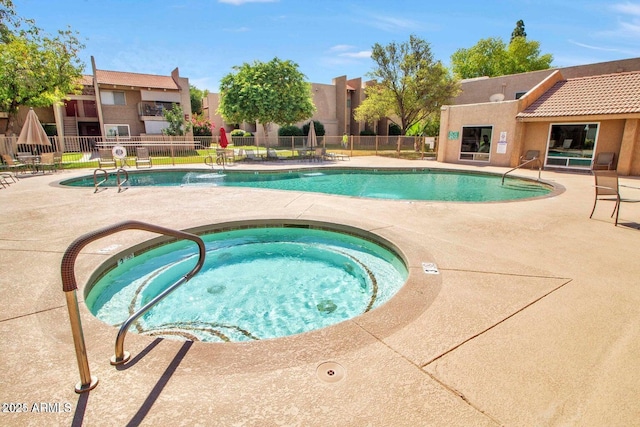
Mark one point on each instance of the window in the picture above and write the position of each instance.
(571, 145)
(120, 131)
(112, 97)
(520, 94)
(476, 143)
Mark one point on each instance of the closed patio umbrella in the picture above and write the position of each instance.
(312, 139)
(32, 132)
(223, 138)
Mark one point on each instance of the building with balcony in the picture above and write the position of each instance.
(116, 104)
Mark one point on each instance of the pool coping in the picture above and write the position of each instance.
(408, 303)
(555, 188)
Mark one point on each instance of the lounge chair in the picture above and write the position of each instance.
(608, 188)
(5, 177)
(603, 161)
(273, 155)
(336, 156)
(106, 159)
(251, 156)
(143, 158)
(13, 165)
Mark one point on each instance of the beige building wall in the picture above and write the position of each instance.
(343, 113)
(324, 98)
(480, 89)
(498, 115)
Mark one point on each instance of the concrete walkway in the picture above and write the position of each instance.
(533, 320)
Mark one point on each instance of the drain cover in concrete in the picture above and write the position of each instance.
(330, 372)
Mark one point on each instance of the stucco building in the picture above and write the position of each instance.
(116, 103)
(568, 115)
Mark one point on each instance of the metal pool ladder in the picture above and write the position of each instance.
(121, 182)
(69, 286)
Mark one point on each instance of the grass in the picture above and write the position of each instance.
(72, 160)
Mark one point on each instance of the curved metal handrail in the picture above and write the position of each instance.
(69, 286)
(209, 161)
(97, 184)
(523, 164)
(126, 178)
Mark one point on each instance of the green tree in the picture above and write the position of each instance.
(518, 31)
(524, 56)
(196, 96)
(177, 124)
(36, 70)
(486, 58)
(409, 84)
(271, 92)
(491, 57)
(429, 127)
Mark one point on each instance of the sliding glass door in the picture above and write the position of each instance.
(571, 145)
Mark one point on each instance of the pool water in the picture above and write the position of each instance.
(256, 283)
(413, 184)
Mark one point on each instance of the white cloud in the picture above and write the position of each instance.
(361, 54)
(628, 21)
(241, 2)
(237, 30)
(622, 50)
(587, 46)
(628, 8)
(391, 24)
(341, 48)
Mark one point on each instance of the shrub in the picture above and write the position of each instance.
(394, 129)
(319, 127)
(237, 132)
(201, 126)
(290, 131)
(367, 132)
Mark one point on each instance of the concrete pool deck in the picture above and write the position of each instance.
(534, 318)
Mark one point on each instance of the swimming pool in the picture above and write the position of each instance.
(397, 184)
(256, 283)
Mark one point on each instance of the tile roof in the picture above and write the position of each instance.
(135, 79)
(86, 80)
(594, 95)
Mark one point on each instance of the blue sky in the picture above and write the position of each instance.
(326, 38)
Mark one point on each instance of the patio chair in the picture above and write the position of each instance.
(607, 187)
(603, 161)
(47, 162)
(143, 158)
(106, 159)
(529, 157)
(57, 159)
(13, 165)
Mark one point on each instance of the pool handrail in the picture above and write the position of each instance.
(69, 286)
(120, 181)
(524, 164)
(97, 184)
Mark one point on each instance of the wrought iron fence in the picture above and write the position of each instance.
(84, 151)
